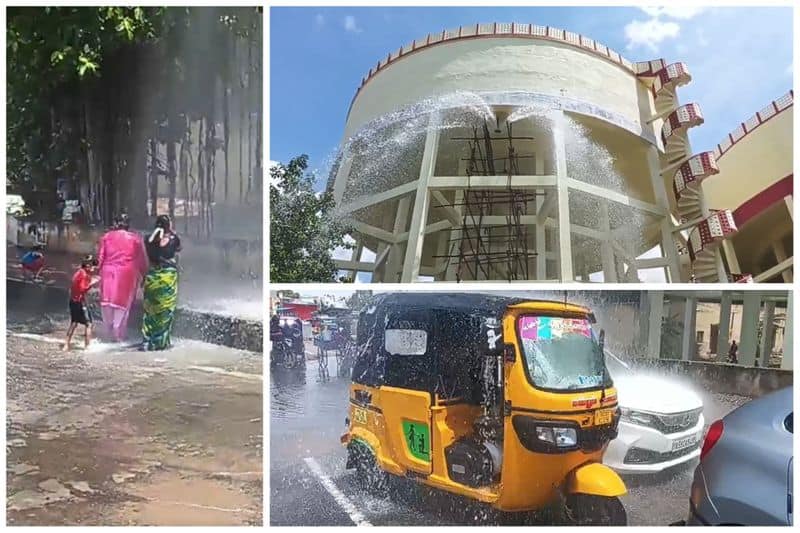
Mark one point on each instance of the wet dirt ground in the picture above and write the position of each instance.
(114, 436)
(307, 418)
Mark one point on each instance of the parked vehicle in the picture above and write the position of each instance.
(504, 401)
(661, 424)
(745, 471)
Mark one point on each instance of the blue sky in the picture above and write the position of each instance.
(740, 58)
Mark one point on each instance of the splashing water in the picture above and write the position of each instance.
(387, 152)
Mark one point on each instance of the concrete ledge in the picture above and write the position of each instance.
(724, 377)
(224, 330)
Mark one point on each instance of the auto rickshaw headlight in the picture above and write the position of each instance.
(557, 436)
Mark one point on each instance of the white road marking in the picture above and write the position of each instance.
(217, 370)
(346, 505)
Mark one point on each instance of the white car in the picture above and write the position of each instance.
(661, 424)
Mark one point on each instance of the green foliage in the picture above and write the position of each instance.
(302, 231)
(57, 58)
(49, 49)
(359, 299)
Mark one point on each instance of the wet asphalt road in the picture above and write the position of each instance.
(307, 419)
(112, 436)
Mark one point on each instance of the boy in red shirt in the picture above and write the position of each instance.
(79, 314)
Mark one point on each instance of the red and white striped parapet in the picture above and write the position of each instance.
(512, 30)
(686, 116)
(742, 278)
(668, 79)
(745, 128)
(693, 172)
(708, 233)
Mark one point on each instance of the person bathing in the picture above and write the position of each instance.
(160, 285)
(82, 281)
(122, 262)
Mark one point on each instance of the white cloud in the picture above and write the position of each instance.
(649, 33)
(790, 69)
(351, 25)
(675, 12)
(319, 20)
(341, 253)
(702, 40)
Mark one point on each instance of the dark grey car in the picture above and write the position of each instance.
(745, 471)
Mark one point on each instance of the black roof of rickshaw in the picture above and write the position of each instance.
(456, 301)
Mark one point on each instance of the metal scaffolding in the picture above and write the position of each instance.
(480, 250)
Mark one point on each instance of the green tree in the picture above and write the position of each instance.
(95, 94)
(303, 230)
(359, 299)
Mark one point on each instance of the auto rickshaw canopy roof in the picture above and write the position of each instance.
(437, 342)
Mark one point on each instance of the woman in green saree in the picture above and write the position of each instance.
(160, 285)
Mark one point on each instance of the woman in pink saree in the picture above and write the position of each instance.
(122, 264)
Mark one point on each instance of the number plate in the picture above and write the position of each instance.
(603, 417)
(685, 442)
(360, 415)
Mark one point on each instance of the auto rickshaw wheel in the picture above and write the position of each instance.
(368, 471)
(593, 510)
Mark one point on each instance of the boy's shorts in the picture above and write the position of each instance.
(32, 264)
(79, 313)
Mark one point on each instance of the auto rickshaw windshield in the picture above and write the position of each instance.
(561, 354)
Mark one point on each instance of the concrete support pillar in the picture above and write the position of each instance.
(655, 305)
(689, 343)
(750, 319)
(455, 236)
(340, 183)
(355, 256)
(419, 217)
(723, 336)
(780, 254)
(787, 363)
(394, 263)
(562, 190)
(730, 256)
(443, 237)
(606, 250)
(668, 247)
(767, 333)
(541, 243)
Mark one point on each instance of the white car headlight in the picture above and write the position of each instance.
(636, 417)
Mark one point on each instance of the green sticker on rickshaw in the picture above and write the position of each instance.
(418, 439)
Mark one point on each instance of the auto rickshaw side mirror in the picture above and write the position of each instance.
(509, 353)
(602, 340)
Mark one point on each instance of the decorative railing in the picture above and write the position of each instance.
(691, 173)
(684, 117)
(514, 30)
(745, 128)
(707, 234)
(669, 78)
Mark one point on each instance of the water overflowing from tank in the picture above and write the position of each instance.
(387, 152)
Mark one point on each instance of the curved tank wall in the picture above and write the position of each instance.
(759, 157)
(596, 140)
(755, 177)
(497, 63)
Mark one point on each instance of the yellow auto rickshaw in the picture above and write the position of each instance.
(505, 401)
